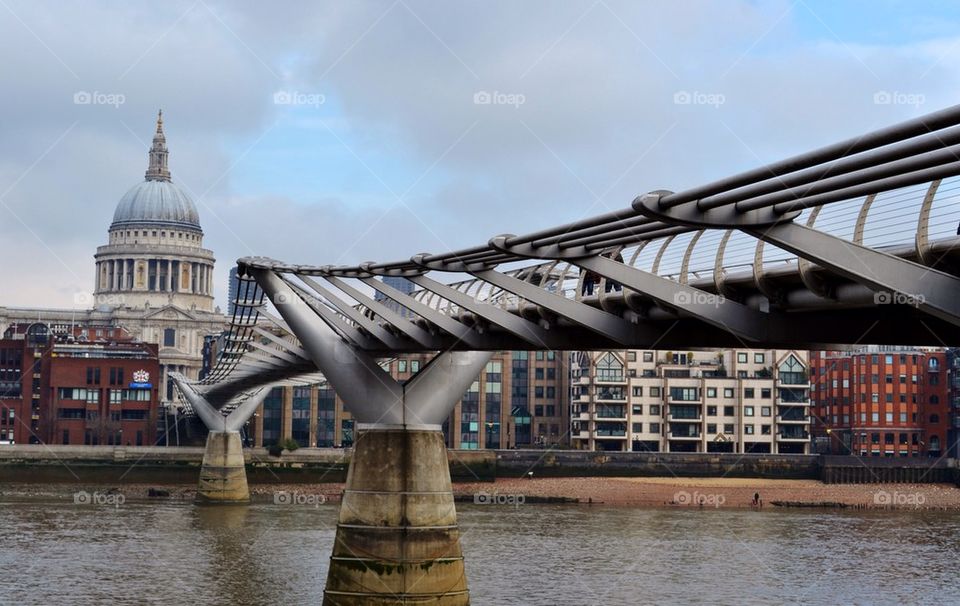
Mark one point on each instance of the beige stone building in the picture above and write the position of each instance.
(705, 401)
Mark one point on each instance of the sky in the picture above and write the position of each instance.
(344, 132)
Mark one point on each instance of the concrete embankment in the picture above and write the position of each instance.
(176, 465)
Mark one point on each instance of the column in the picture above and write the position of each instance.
(169, 285)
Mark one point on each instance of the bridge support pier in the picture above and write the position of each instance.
(223, 477)
(397, 537)
(223, 474)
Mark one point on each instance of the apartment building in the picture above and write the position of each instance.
(697, 401)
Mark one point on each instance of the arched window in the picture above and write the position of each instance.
(609, 368)
(934, 363)
(934, 418)
(934, 399)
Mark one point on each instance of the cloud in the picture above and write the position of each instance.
(578, 113)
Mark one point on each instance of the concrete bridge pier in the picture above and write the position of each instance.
(397, 537)
(223, 474)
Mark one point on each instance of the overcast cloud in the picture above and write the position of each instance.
(587, 110)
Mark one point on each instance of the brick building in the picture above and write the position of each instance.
(881, 401)
(93, 386)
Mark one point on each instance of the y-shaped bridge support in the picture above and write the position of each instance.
(223, 476)
(397, 536)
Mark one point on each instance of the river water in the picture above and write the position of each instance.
(263, 554)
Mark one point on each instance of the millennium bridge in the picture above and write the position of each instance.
(853, 243)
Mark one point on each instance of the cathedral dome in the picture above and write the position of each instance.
(157, 201)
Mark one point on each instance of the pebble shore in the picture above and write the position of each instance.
(636, 492)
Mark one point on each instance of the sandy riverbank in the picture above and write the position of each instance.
(637, 492)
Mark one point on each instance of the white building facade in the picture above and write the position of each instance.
(733, 401)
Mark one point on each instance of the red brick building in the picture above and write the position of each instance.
(94, 386)
(890, 402)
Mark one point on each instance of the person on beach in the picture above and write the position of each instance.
(757, 503)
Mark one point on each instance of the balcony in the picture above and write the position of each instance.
(610, 379)
(613, 413)
(580, 416)
(683, 436)
(684, 418)
(620, 434)
(793, 436)
(794, 419)
(798, 379)
(611, 395)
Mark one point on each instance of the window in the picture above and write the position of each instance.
(684, 394)
(637, 392)
(765, 393)
(654, 392)
(711, 428)
(631, 356)
(742, 357)
(727, 392)
(655, 409)
(748, 393)
(748, 411)
(711, 392)
(728, 428)
(169, 337)
(401, 366)
(648, 356)
(765, 430)
(711, 411)
(609, 368)
(414, 365)
(728, 411)
(538, 374)
(758, 358)
(637, 409)
(748, 429)
(765, 411)
(637, 427)
(655, 428)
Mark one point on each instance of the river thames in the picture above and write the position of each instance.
(57, 552)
